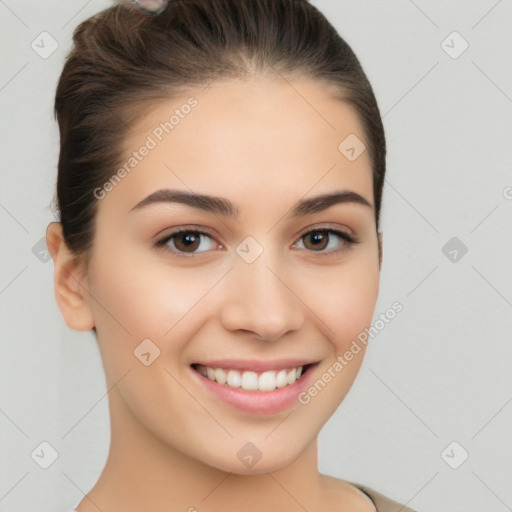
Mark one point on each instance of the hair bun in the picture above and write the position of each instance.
(151, 7)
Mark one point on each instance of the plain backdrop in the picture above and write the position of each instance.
(429, 417)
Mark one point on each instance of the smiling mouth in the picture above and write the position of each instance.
(251, 380)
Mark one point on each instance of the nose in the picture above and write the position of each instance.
(260, 299)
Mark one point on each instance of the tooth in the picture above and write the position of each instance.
(267, 381)
(291, 376)
(250, 381)
(220, 375)
(234, 379)
(281, 379)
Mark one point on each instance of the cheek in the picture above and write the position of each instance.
(344, 299)
(345, 303)
(135, 299)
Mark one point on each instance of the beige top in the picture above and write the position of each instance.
(381, 502)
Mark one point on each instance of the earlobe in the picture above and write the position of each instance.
(70, 284)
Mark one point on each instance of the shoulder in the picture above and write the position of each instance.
(342, 495)
(382, 503)
(347, 495)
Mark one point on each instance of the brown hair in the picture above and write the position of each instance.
(122, 60)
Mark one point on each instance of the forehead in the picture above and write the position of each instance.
(257, 139)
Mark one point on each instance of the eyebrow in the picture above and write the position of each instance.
(224, 207)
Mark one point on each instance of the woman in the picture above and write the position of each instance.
(219, 186)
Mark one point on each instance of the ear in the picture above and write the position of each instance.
(69, 281)
(380, 249)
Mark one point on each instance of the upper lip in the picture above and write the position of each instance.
(256, 365)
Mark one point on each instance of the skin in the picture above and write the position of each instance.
(259, 144)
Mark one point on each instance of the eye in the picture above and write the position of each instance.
(187, 241)
(327, 240)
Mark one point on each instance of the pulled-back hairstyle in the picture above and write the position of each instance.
(123, 60)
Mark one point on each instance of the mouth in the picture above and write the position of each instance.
(255, 387)
(251, 380)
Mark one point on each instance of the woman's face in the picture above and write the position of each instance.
(261, 288)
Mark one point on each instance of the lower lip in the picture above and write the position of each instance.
(258, 402)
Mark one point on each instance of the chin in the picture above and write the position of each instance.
(250, 460)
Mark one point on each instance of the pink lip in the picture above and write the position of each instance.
(255, 365)
(257, 402)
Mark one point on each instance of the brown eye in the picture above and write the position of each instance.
(187, 241)
(318, 240)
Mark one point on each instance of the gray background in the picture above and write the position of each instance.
(436, 374)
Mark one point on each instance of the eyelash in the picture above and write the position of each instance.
(349, 240)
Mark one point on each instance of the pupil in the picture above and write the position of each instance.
(189, 239)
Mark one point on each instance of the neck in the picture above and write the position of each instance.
(143, 473)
